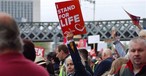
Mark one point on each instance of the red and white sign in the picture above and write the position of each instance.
(39, 51)
(82, 43)
(70, 17)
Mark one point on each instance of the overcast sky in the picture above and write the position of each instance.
(104, 9)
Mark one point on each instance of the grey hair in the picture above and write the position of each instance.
(65, 62)
(137, 40)
(9, 34)
(107, 51)
(69, 57)
(142, 33)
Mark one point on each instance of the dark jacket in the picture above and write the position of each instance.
(79, 67)
(104, 66)
(128, 71)
(88, 67)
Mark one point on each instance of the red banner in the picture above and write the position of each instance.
(39, 51)
(70, 17)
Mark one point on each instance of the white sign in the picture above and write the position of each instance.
(88, 48)
(93, 39)
(101, 46)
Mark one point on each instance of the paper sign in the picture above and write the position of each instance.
(120, 48)
(93, 39)
(70, 17)
(101, 46)
(88, 48)
(39, 51)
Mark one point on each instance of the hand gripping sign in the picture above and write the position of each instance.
(70, 17)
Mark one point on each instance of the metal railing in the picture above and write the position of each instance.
(49, 31)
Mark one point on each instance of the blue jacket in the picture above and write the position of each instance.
(104, 66)
(79, 67)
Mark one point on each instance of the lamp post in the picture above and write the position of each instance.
(92, 2)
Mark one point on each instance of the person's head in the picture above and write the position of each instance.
(9, 34)
(137, 51)
(117, 63)
(106, 53)
(62, 51)
(69, 65)
(29, 50)
(142, 34)
(52, 57)
(84, 54)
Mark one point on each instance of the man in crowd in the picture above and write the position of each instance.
(62, 53)
(136, 65)
(12, 61)
(105, 64)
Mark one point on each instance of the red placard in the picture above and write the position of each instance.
(39, 51)
(82, 44)
(70, 17)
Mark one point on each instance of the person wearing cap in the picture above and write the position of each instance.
(12, 61)
(41, 61)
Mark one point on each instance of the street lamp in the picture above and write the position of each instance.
(92, 2)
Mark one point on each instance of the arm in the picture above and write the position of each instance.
(79, 67)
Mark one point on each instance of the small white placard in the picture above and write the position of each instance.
(89, 48)
(93, 39)
(101, 45)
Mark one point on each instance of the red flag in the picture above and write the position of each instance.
(135, 19)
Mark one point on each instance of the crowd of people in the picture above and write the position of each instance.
(17, 56)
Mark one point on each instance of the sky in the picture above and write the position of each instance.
(104, 9)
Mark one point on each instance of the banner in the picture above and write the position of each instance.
(39, 51)
(70, 17)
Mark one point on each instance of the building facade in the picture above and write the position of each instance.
(22, 10)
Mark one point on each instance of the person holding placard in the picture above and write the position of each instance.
(80, 69)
